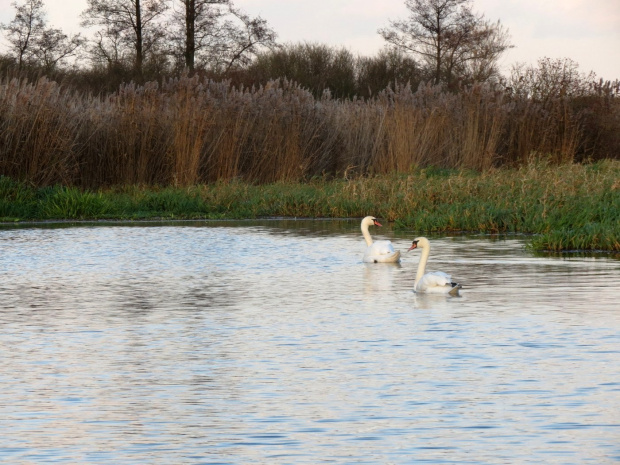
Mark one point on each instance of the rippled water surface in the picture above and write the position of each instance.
(271, 342)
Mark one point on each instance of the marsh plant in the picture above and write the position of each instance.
(192, 130)
(569, 206)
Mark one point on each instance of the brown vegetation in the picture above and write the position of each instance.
(193, 130)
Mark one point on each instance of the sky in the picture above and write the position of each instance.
(586, 31)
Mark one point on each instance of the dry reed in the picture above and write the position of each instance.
(191, 130)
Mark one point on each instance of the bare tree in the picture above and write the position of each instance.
(126, 24)
(195, 24)
(24, 29)
(107, 48)
(53, 46)
(246, 38)
(479, 63)
(33, 43)
(215, 34)
(449, 37)
(550, 79)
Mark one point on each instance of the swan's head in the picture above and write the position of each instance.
(370, 221)
(419, 243)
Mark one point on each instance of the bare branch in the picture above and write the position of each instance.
(456, 43)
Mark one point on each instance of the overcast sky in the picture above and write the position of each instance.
(587, 31)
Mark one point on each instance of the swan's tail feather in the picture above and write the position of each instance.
(455, 288)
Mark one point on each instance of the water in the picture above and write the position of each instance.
(271, 342)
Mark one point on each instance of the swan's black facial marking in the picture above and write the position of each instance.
(375, 222)
(414, 245)
(376, 261)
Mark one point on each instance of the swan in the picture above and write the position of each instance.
(379, 251)
(435, 282)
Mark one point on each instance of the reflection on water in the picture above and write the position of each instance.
(271, 342)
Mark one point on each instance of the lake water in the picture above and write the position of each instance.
(271, 342)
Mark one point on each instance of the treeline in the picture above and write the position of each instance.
(192, 129)
(139, 41)
(317, 68)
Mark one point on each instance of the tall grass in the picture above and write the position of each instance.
(570, 206)
(192, 130)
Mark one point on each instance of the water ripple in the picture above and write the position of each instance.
(270, 342)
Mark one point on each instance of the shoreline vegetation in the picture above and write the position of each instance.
(565, 207)
(540, 160)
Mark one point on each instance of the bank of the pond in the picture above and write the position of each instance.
(568, 207)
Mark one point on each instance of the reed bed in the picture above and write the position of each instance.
(564, 207)
(189, 131)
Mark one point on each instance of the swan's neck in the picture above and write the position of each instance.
(366, 235)
(422, 265)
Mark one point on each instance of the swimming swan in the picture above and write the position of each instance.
(436, 282)
(379, 251)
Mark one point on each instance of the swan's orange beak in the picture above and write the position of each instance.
(377, 223)
(414, 245)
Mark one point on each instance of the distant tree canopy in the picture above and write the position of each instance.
(388, 67)
(452, 42)
(141, 39)
(551, 78)
(440, 41)
(316, 67)
(320, 68)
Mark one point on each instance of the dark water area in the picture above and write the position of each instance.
(271, 342)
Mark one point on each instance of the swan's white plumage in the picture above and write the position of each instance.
(434, 282)
(378, 251)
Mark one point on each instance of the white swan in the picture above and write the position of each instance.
(435, 282)
(379, 251)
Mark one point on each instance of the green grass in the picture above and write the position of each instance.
(567, 207)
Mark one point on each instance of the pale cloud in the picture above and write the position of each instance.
(593, 13)
(587, 31)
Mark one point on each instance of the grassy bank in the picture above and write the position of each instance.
(567, 207)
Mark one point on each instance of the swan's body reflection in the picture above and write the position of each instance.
(380, 277)
(425, 301)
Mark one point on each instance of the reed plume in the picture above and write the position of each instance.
(192, 130)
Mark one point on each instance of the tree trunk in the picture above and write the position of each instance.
(190, 37)
(139, 47)
(439, 50)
